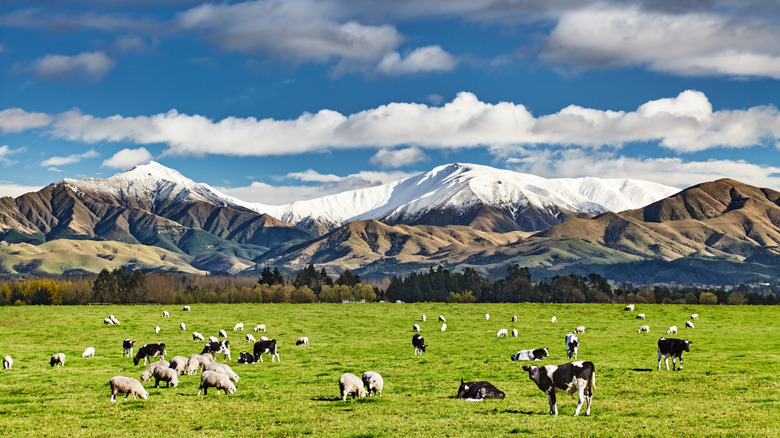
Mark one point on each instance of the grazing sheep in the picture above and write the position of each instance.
(644, 329)
(156, 329)
(514, 318)
(441, 318)
(502, 332)
(423, 318)
(179, 363)
(197, 337)
(166, 314)
(182, 326)
(213, 339)
(222, 334)
(263, 338)
(57, 359)
(167, 375)
(114, 320)
(185, 309)
(351, 384)
(374, 382)
(260, 327)
(629, 308)
(239, 326)
(127, 385)
(108, 321)
(514, 333)
(672, 329)
(487, 317)
(695, 316)
(640, 316)
(88, 352)
(688, 324)
(303, 340)
(213, 379)
(196, 361)
(443, 326)
(415, 328)
(8, 362)
(149, 371)
(221, 368)
(250, 338)
(579, 329)
(553, 319)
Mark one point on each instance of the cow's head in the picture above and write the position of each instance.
(463, 389)
(686, 344)
(544, 352)
(533, 372)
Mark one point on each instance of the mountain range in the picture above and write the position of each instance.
(457, 215)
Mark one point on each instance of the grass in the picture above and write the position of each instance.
(728, 387)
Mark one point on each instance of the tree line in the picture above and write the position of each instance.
(310, 285)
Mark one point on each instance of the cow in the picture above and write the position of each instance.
(245, 357)
(217, 347)
(148, 351)
(266, 346)
(531, 354)
(570, 377)
(572, 344)
(419, 344)
(127, 348)
(478, 391)
(629, 308)
(672, 348)
(688, 324)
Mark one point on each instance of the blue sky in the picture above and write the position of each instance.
(273, 101)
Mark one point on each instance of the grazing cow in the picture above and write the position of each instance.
(579, 329)
(640, 316)
(629, 308)
(217, 347)
(689, 324)
(514, 333)
(553, 319)
(127, 348)
(695, 316)
(245, 357)
(185, 309)
(530, 354)
(478, 391)
(569, 377)
(514, 318)
(672, 348)
(672, 329)
(441, 318)
(572, 344)
(644, 329)
(267, 346)
(502, 332)
(419, 344)
(415, 328)
(148, 351)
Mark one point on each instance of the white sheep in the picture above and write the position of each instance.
(695, 316)
(239, 326)
(672, 329)
(222, 334)
(514, 333)
(644, 329)
(443, 326)
(351, 384)
(213, 339)
(487, 317)
(374, 382)
(553, 319)
(127, 385)
(182, 326)
(250, 338)
(114, 320)
(213, 379)
(441, 318)
(88, 352)
(688, 324)
(185, 309)
(156, 329)
(166, 314)
(8, 362)
(260, 327)
(579, 329)
(197, 337)
(640, 316)
(178, 363)
(57, 359)
(149, 371)
(196, 361)
(514, 318)
(221, 368)
(107, 321)
(629, 308)
(423, 318)
(502, 332)
(263, 338)
(303, 340)
(415, 328)
(167, 375)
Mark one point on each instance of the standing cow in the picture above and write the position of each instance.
(672, 348)
(572, 344)
(570, 377)
(419, 344)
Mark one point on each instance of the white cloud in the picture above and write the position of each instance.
(16, 190)
(127, 158)
(90, 66)
(684, 123)
(70, 159)
(5, 153)
(691, 43)
(311, 175)
(389, 158)
(423, 59)
(17, 120)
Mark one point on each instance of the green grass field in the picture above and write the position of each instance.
(729, 385)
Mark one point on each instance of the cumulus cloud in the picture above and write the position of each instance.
(683, 123)
(91, 66)
(311, 175)
(70, 159)
(127, 158)
(18, 120)
(393, 158)
(421, 60)
(16, 190)
(5, 154)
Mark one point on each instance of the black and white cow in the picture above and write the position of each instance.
(477, 391)
(672, 348)
(266, 346)
(572, 344)
(419, 344)
(246, 357)
(537, 354)
(217, 347)
(570, 377)
(148, 351)
(127, 348)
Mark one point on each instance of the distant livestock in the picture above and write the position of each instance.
(644, 329)
(179, 363)
(373, 383)
(185, 309)
(629, 308)
(477, 391)
(167, 375)
(537, 354)
(443, 326)
(672, 348)
(266, 346)
(197, 336)
(250, 338)
(57, 359)
(572, 344)
(182, 326)
(217, 347)
(351, 384)
(419, 344)
(127, 348)
(423, 317)
(514, 318)
(213, 379)
(695, 316)
(303, 340)
(148, 351)
(8, 362)
(441, 318)
(127, 385)
(415, 328)
(260, 327)
(222, 334)
(640, 316)
(579, 329)
(114, 320)
(689, 324)
(239, 326)
(503, 332)
(570, 377)
(166, 314)
(672, 330)
(514, 333)
(221, 368)
(487, 317)
(246, 357)
(553, 319)
(213, 339)
(156, 329)
(149, 371)
(88, 352)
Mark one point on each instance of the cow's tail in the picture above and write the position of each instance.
(592, 381)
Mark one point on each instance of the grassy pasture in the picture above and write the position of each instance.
(728, 387)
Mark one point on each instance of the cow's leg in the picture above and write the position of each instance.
(551, 401)
(680, 367)
(674, 360)
(580, 397)
(659, 359)
(666, 361)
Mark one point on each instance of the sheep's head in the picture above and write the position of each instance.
(230, 389)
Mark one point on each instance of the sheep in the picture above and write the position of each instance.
(222, 334)
(672, 329)
(185, 309)
(182, 326)
(260, 327)
(88, 352)
(644, 329)
(221, 368)
(351, 384)
(213, 339)
(629, 308)
(303, 340)
(57, 359)
(640, 316)
(166, 314)
(423, 317)
(487, 317)
(114, 320)
(374, 382)
(695, 316)
(213, 379)
(179, 363)
(514, 333)
(263, 338)
(197, 337)
(107, 321)
(502, 332)
(553, 319)
(415, 328)
(250, 338)
(443, 326)
(688, 324)
(514, 318)
(196, 361)
(167, 375)
(149, 371)
(156, 329)
(239, 326)
(579, 329)
(8, 362)
(127, 385)
(441, 318)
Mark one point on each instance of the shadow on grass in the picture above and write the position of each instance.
(327, 399)
(641, 370)
(512, 411)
